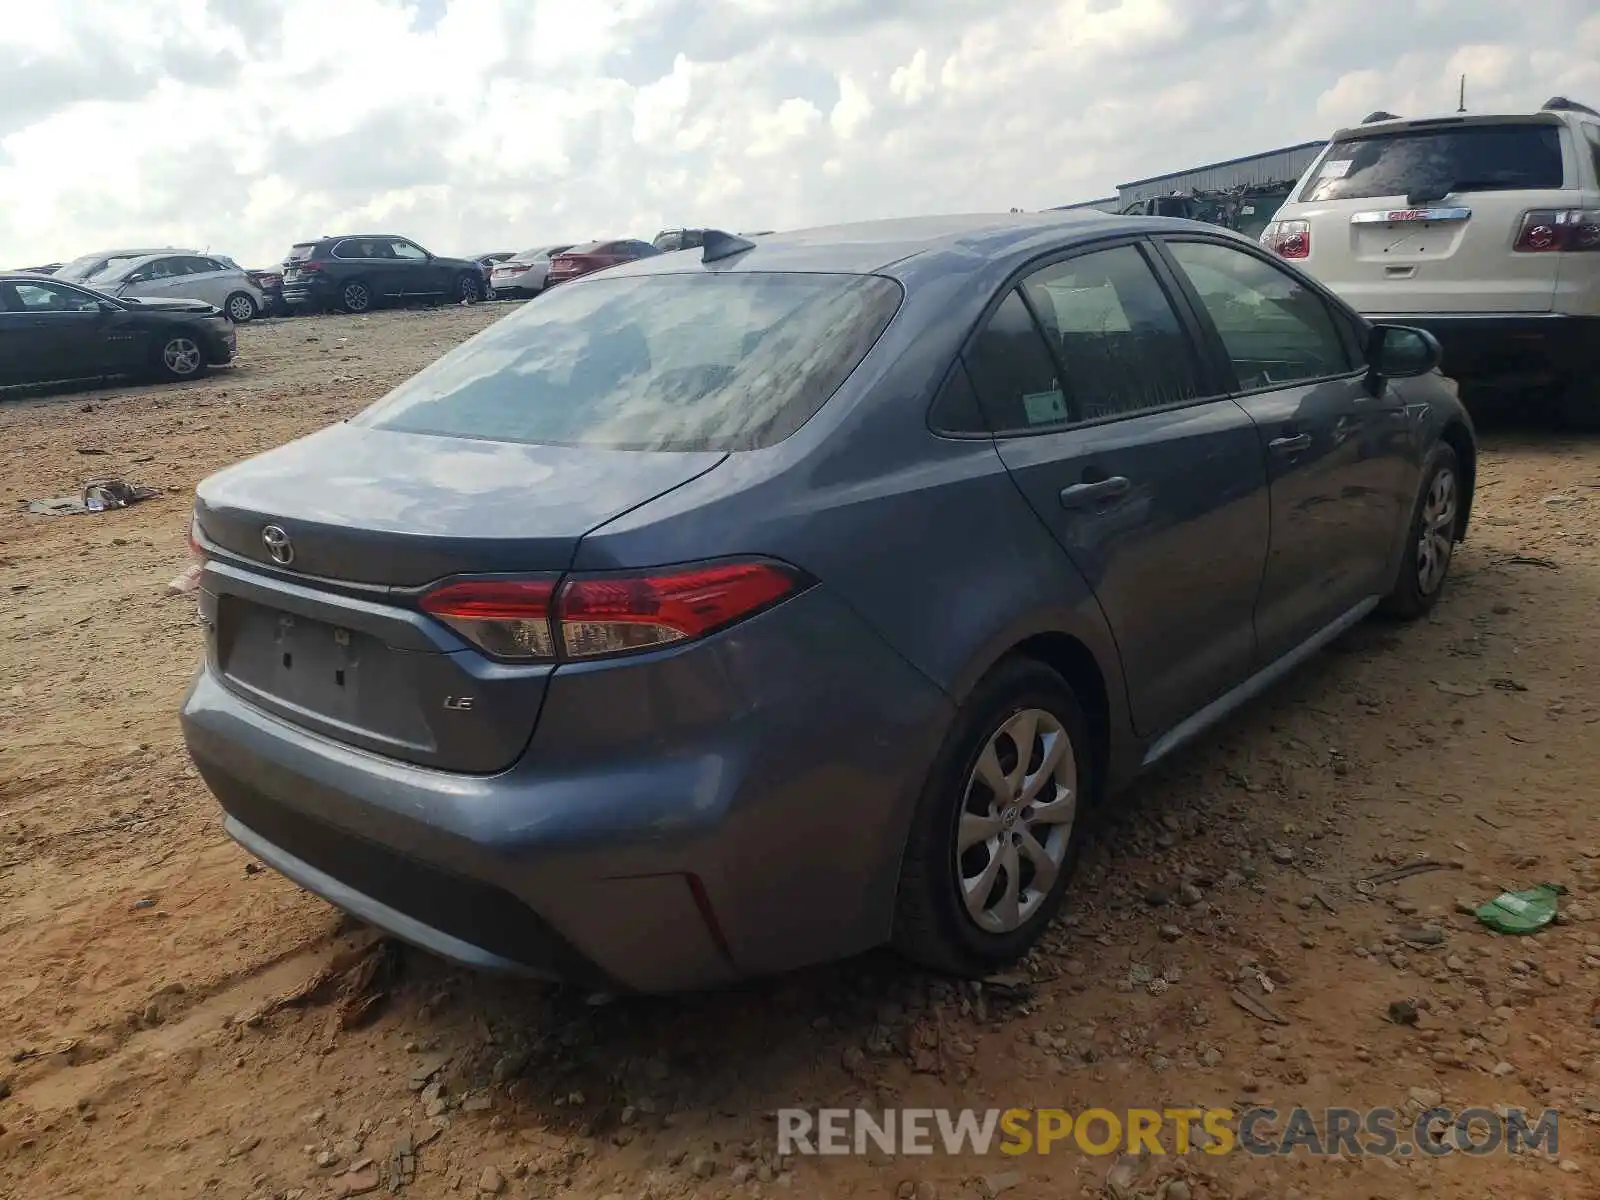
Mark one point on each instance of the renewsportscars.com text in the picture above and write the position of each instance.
(1354, 1132)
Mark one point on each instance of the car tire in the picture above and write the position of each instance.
(355, 296)
(951, 909)
(179, 356)
(1431, 537)
(468, 289)
(241, 308)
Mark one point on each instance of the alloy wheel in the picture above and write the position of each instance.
(1436, 537)
(181, 356)
(356, 297)
(241, 309)
(1016, 820)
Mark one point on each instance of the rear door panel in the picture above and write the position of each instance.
(1156, 494)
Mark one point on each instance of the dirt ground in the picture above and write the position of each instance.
(176, 1021)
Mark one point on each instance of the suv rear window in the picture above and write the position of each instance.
(1433, 162)
(660, 362)
(300, 252)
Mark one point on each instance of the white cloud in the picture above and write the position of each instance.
(244, 125)
(910, 82)
(852, 110)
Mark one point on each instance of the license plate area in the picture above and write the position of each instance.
(307, 664)
(1408, 235)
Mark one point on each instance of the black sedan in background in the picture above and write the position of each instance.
(52, 331)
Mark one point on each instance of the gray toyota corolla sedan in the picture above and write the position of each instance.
(738, 609)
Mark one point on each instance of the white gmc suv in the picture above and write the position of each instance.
(1483, 230)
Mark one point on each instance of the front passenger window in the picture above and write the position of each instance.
(1275, 329)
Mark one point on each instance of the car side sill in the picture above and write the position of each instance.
(1263, 679)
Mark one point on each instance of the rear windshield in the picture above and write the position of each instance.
(300, 252)
(660, 362)
(1435, 162)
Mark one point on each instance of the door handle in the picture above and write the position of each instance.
(1291, 445)
(1084, 495)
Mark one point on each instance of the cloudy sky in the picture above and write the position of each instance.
(244, 125)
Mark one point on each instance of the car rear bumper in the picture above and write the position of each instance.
(518, 281)
(307, 292)
(221, 344)
(1512, 349)
(731, 808)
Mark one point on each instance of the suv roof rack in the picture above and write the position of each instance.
(1562, 104)
(1380, 115)
(718, 245)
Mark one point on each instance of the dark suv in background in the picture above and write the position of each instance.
(358, 271)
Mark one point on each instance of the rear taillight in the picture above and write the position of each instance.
(1288, 239)
(592, 616)
(612, 614)
(306, 267)
(507, 618)
(1571, 229)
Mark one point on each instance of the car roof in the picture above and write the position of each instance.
(126, 251)
(867, 247)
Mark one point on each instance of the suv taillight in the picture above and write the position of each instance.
(593, 616)
(1544, 230)
(196, 550)
(1288, 239)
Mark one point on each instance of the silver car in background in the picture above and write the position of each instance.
(184, 276)
(87, 266)
(524, 274)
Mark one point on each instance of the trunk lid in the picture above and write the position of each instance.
(382, 507)
(333, 641)
(1421, 218)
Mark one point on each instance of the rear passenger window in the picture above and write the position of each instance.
(1592, 132)
(1014, 374)
(1122, 344)
(955, 409)
(1276, 331)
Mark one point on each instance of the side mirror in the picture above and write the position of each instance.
(1401, 352)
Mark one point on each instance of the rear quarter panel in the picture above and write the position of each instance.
(925, 538)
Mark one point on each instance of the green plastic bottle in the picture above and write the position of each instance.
(1522, 912)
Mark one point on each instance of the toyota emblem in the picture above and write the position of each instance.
(278, 545)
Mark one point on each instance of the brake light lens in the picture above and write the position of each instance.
(1288, 239)
(196, 550)
(506, 618)
(613, 614)
(593, 616)
(1546, 230)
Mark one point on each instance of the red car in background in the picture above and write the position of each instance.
(595, 256)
